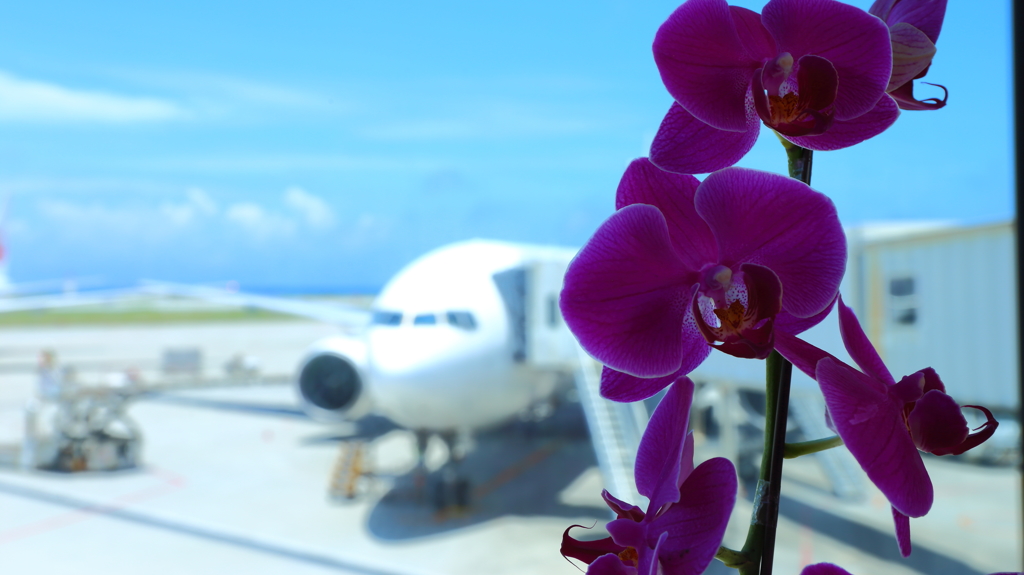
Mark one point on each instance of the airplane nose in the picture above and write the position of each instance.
(329, 382)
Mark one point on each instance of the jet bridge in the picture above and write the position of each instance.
(542, 340)
(539, 334)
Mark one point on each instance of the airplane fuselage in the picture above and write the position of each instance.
(442, 351)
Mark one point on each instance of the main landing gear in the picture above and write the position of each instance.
(449, 488)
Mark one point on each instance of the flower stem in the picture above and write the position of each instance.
(794, 450)
(760, 544)
(799, 160)
(731, 558)
(778, 375)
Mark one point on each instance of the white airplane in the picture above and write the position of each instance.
(465, 337)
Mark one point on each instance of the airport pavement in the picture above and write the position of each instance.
(236, 480)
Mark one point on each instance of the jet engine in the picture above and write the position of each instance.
(332, 380)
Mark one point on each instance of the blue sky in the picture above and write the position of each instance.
(322, 147)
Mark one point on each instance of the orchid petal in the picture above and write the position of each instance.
(626, 294)
(618, 386)
(686, 460)
(912, 53)
(672, 194)
(686, 145)
(756, 40)
(781, 224)
(931, 380)
(661, 447)
(871, 426)
(904, 97)
(845, 133)
(649, 561)
(818, 82)
(909, 389)
(936, 423)
(696, 524)
(977, 438)
(609, 565)
(859, 346)
(621, 508)
(925, 15)
(587, 551)
(705, 65)
(628, 533)
(824, 569)
(856, 43)
(803, 355)
(792, 324)
(902, 523)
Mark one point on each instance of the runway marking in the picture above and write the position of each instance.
(82, 506)
(172, 482)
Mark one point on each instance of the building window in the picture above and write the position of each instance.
(903, 300)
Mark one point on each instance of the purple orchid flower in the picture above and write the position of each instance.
(914, 27)
(815, 71)
(830, 569)
(885, 423)
(824, 569)
(689, 507)
(684, 266)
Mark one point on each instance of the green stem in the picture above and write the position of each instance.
(794, 450)
(800, 160)
(760, 543)
(779, 371)
(730, 558)
(760, 520)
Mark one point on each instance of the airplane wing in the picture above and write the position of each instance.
(69, 299)
(328, 312)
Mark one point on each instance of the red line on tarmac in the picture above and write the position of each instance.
(172, 482)
(806, 546)
(510, 473)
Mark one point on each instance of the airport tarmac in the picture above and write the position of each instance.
(235, 479)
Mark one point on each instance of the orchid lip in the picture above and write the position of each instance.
(715, 281)
(776, 72)
(745, 314)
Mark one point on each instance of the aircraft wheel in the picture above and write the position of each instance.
(440, 494)
(455, 492)
(463, 492)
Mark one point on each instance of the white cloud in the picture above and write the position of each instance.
(258, 221)
(202, 201)
(178, 214)
(87, 220)
(34, 101)
(224, 93)
(313, 209)
(198, 203)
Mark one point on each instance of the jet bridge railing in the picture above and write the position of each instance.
(615, 431)
(838, 465)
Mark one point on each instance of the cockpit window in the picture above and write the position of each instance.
(382, 317)
(462, 319)
(425, 319)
